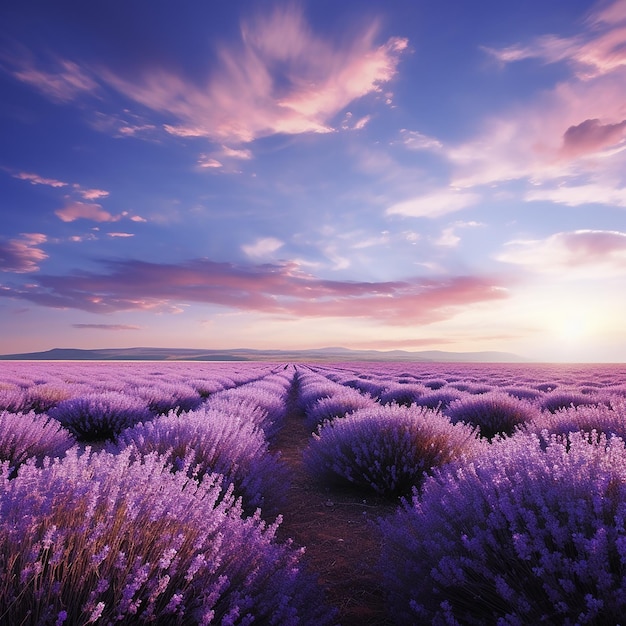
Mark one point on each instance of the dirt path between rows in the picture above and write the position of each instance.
(337, 529)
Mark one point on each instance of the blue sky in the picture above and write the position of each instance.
(403, 174)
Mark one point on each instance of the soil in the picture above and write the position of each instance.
(338, 529)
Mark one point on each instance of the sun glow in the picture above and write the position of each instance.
(574, 329)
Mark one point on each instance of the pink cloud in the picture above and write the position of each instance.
(82, 210)
(576, 195)
(576, 128)
(63, 82)
(434, 204)
(120, 235)
(597, 50)
(274, 289)
(208, 162)
(281, 78)
(247, 97)
(592, 253)
(591, 136)
(35, 179)
(22, 255)
(92, 194)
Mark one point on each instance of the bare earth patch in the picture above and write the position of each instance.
(338, 529)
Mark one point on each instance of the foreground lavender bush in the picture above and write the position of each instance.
(209, 441)
(100, 416)
(102, 539)
(494, 412)
(28, 435)
(386, 449)
(532, 532)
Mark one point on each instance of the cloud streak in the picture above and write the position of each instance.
(62, 81)
(35, 179)
(277, 289)
(574, 129)
(281, 77)
(435, 204)
(589, 253)
(22, 255)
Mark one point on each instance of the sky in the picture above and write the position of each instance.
(380, 174)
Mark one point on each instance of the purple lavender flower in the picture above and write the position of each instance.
(598, 419)
(531, 532)
(102, 537)
(440, 399)
(207, 441)
(164, 397)
(494, 413)
(99, 417)
(404, 394)
(342, 402)
(386, 449)
(565, 398)
(29, 435)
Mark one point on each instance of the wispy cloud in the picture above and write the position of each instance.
(415, 140)
(22, 255)
(275, 289)
(249, 97)
(577, 127)
(224, 159)
(435, 204)
(572, 254)
(61, 80)
(577, 195)
(115, 327)
(120, 235)
(91, 194)
(263, 247)
(35, 179)
(449, 237)
(596, 51)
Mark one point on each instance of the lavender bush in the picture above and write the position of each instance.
(404, 394)
(104, 539)
(532, 532)
(599, 419)
(24, 436)
(494, 413)
(164, 397)
(440, 399)
(565, 398)
(208, 441)
(386, 449)
(13, 399)
(100, 417)
(42, 398)
(266, 408)
(343, 401)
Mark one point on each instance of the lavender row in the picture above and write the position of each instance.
(114, 538)
(168, 525)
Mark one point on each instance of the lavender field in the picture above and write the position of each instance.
(166, 493)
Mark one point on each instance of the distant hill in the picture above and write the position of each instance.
(246, 354)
